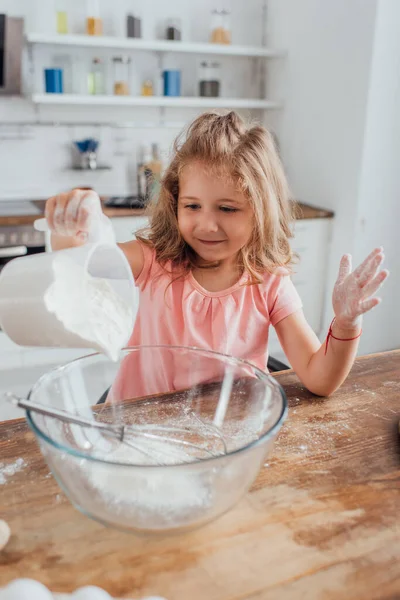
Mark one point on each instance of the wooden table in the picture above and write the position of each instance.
(321, 522)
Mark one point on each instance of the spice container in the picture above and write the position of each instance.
(133, 26)
(53, 79)
(61, 17)
(174, 30)
(220, 27)
(96, 78)
(147, 88)
(121, 75)
(209, 79)
(172, 83)
(94, 24)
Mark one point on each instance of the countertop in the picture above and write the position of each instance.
(321, 521)
(305, 212)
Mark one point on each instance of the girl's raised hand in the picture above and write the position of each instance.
(354, 291)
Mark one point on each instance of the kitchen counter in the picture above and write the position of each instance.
(305, 212)
(321, 520)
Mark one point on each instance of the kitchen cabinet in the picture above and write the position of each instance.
(311, 243)
(125, 227)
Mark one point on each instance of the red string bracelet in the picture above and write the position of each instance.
(330, 335)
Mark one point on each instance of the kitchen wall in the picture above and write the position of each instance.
(35, 160)
(378, 215)
(339, 130)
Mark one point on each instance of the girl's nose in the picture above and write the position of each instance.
(208, 223)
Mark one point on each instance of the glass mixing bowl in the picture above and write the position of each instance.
(153, 485)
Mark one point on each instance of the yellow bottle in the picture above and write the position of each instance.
(62, 21)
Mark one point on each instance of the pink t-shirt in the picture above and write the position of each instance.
(234, 321)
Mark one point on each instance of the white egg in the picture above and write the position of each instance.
(90, 592)
(4, 534)
(26, 589)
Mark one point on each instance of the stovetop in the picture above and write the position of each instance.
(15, 208)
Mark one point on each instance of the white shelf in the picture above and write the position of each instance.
(151, 45)
(154, 101)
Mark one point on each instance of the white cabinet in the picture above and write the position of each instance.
(126, 227)
(10, 353)
(311, 243)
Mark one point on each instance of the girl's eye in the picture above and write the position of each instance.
(228, 209)
(192, 206)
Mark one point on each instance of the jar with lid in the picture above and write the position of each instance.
(209, 79)
(94, 23)
(147, 87)
(96, 77)
(220, 27)
(174, 29)
(133, 25)
(121, 75)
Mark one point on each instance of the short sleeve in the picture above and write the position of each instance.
(285, 299)
(149, 264)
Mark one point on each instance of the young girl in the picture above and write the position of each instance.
(214, 267)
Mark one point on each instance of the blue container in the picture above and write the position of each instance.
(172, 83)
(53, 81)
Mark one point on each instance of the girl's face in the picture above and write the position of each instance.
(214, 218)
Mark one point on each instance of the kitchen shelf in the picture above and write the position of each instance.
(152, 45)
(154, 101)
(87, 170)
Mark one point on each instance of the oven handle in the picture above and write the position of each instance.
(13, 251)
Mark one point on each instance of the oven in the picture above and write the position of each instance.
(19, 240)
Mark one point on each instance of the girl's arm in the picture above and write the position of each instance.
(76, 218)
(323, 368)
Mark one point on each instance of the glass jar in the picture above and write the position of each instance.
(133, 26)
(94, 24)
(174, 30)
(220, 27)
(147, 88)
(61, 17)
(209, 79)
(121, 75)
(96, 77)
(64, 63)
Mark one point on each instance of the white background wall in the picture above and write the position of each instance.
(378, 210)
(339, 130)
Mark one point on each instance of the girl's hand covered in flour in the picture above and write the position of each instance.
(78, 214)
(353, 294)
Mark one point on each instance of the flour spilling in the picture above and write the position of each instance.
(89, 307)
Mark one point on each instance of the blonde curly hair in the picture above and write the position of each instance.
(248, 155)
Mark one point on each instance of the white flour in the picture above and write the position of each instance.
(154, 496)
(89, 307)
(9, 470)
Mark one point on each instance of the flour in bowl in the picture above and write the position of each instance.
(157, 496)
(89, 307)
